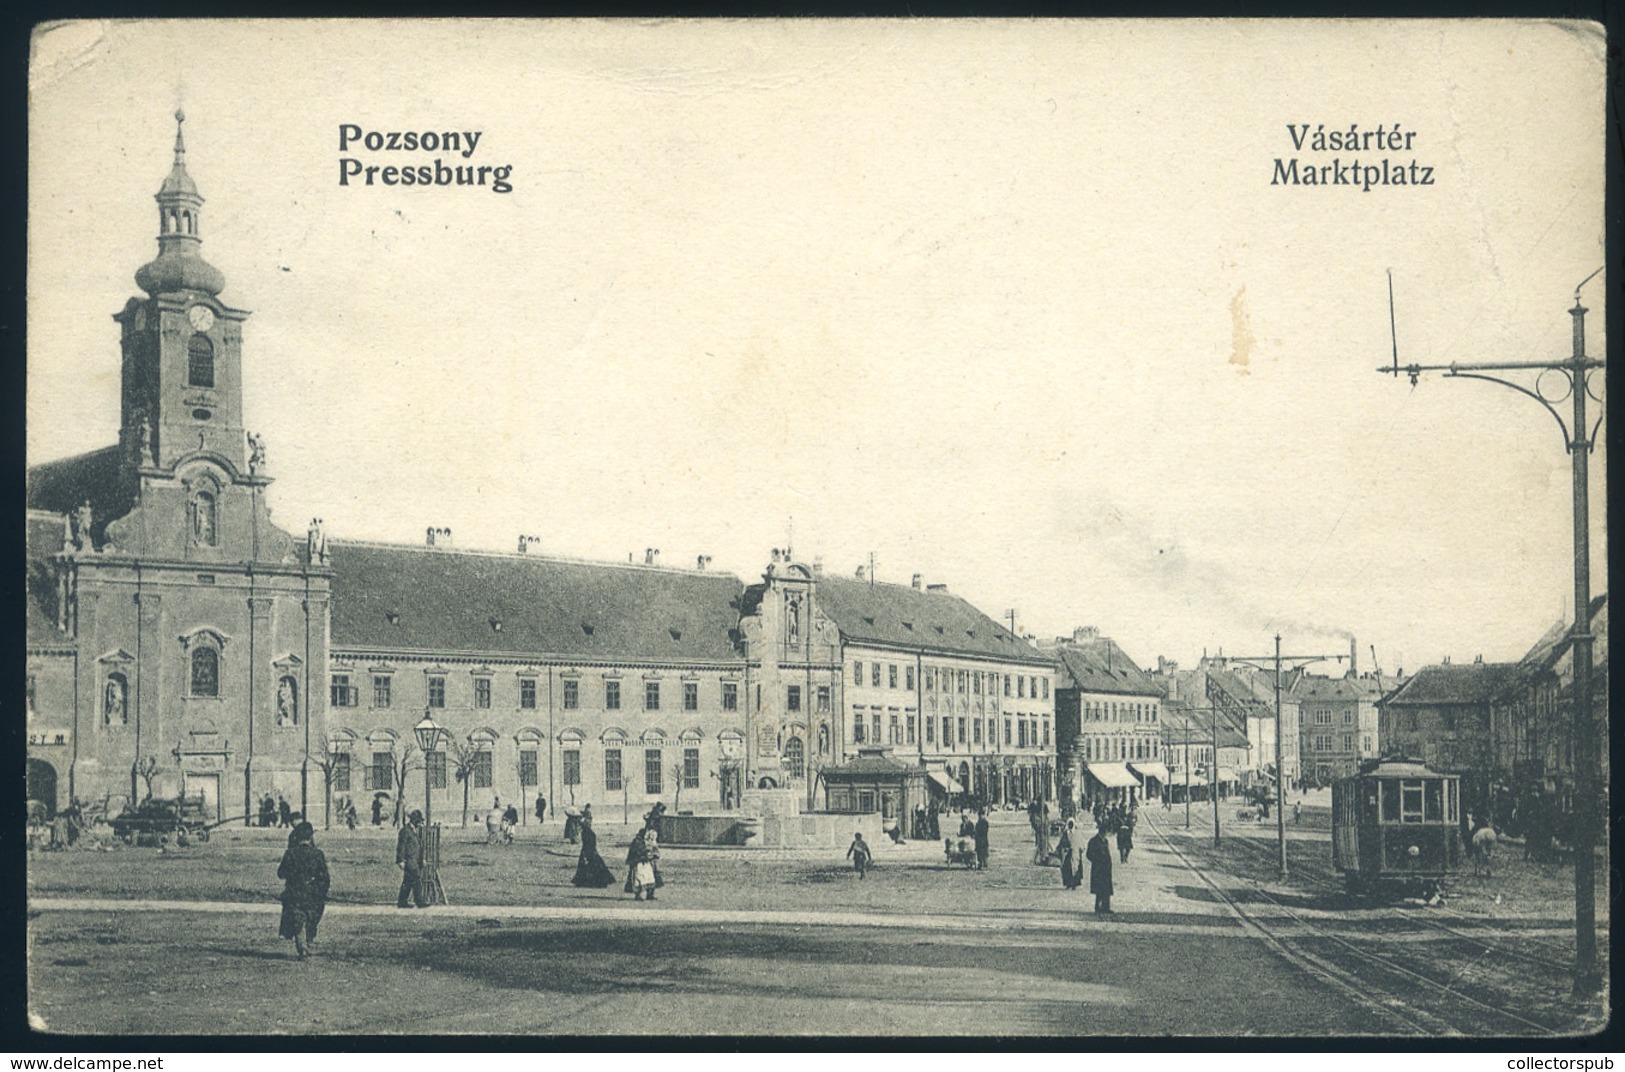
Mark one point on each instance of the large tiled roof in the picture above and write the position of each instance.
(43, 533)
(60, 486)
(1178, 717)
(1467, 683)
(904, 616)
(392, 597)
(1101, 666)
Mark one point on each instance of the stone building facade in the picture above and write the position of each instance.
(174, 632)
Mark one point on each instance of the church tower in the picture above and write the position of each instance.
(200, 628)
(183, 448)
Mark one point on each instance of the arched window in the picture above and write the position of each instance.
(200, 362)
(203, 519)
(796, 754)
(205, 671)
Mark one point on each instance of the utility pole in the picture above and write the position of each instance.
(1213, 773)
(1187, 773)
(1301, 661)
(1579, 440)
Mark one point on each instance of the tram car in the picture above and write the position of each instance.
(1396, 828)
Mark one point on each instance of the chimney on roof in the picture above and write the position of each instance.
(818, 566)
(1478, 660)
(859, 574)
(702, 561)
(436, 537)
(936, 588)
(1354, 660)
(1085, 632)
(916, 582)
(651, 556)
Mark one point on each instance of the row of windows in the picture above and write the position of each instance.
(951, 680)
(344, 692)
(899, 730)
(382, 772)
(1322, 742)
(1323, 717)
(1108, 711)
(1113, 749)
(653, 768)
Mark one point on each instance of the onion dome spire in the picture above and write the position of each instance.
(179, 266)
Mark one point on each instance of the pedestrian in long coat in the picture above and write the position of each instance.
(1099, 855)
(1071, 850)
(590, 867)
(409, 858)
(303, 872)
(979, 832)
(284, 812)
(541, 808)
(1125, 840)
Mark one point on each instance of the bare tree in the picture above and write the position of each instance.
(409, 759)
(462, 755)
(328, 762)
(147, 770)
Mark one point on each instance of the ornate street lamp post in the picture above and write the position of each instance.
(428, 732)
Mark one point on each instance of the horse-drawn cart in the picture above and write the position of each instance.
(183, 819)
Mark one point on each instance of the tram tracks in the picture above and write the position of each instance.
(1559, 962)
(1416, 1001)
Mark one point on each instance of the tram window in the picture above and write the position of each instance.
(1410, 802)
(1370, 815)
(1450, 801)
(1433, 802)
(1390, 802)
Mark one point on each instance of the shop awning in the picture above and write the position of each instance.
(1177, 778)
(1150, 769)
(945, 781)
(1228, 774)
(1112, 775)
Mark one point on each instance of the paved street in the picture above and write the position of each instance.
(917, 948)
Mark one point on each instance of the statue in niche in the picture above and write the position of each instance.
(113, 702)
(143, 442)
(823, 738)
(287, 703)
(792, 621)
(256, 453)
(317, 538)
(82, 517)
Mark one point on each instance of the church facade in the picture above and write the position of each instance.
(181, 642)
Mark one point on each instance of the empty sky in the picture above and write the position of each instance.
(1012, 305)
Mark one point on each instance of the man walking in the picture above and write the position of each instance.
(1099, 855)
(980, 833)
(409, 858)
(541, 808)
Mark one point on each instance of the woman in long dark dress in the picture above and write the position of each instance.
(304, 893)
(1071, 852)
(590, 867)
